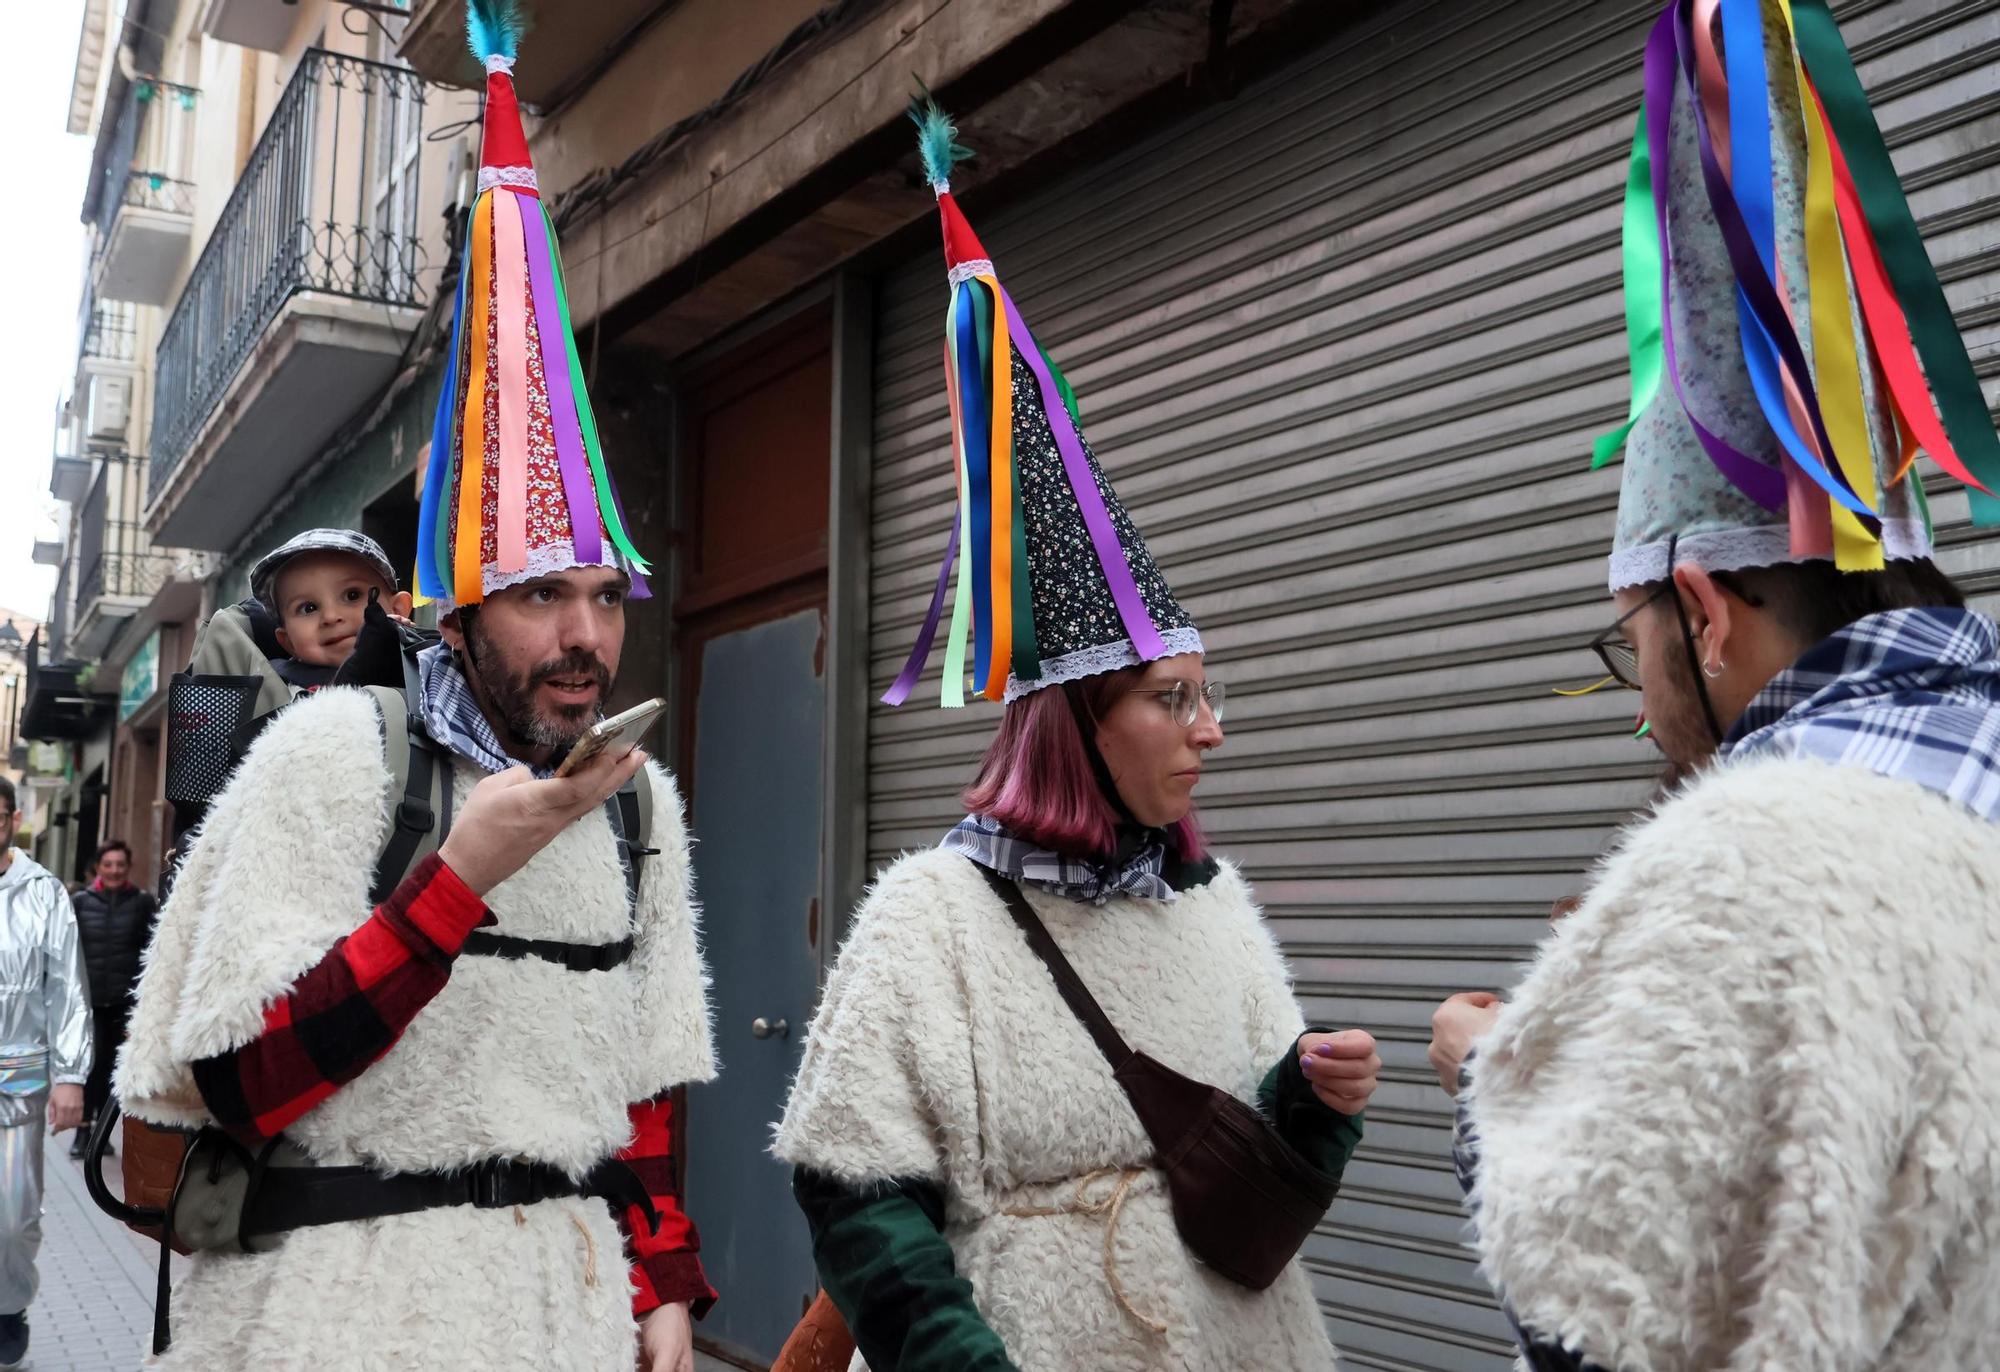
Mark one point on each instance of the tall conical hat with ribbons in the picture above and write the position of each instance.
(516, 487)
(1054, 582)
(1791, 346)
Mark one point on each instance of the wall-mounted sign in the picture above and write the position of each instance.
(141, 677)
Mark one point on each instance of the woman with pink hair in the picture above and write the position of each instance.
(1058, 1108)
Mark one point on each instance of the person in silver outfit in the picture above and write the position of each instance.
(45, 1052)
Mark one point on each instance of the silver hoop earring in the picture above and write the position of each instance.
(1713, 672)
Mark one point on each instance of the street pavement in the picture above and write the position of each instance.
(95, 1310)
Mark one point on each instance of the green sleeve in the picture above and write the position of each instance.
(883, 1259)
(1324, 1136)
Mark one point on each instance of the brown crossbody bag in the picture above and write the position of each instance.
(1244, 1200)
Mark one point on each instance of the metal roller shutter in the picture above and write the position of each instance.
(1343, 344)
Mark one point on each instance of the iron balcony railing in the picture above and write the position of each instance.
(152, 154)
(123, 573)
(110, 330)
(309, 214)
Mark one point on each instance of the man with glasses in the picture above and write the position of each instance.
(45, 1053)
(1740, 1112)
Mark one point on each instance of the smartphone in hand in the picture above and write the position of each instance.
(619, 734)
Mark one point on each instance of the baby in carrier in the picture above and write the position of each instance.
(316, 587)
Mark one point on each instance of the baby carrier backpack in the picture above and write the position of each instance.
(216, 708)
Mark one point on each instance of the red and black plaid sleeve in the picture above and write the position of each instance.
(666, 1263)
(347, 1010)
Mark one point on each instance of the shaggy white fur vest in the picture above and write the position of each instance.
(512, 1059)
(943, 1051)
(1742, 1114)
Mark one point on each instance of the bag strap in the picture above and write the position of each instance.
(1081, 1003)
(631, 812)
(421, 773)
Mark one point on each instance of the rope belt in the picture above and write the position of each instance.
(1112, 1207)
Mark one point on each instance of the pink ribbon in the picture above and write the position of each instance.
(585, 523)
(509, 266)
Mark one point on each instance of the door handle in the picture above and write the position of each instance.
(761, 1028)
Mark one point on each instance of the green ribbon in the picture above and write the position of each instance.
(607, 506)
(1642, 295)
(1953, 380)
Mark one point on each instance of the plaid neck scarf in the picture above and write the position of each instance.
(1142, 872)
(452, 715)
(1906, 693)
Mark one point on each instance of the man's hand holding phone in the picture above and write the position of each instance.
(512, 815)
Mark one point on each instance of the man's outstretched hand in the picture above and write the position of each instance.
(1454, 1026)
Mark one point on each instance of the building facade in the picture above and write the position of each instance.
(1338, 287)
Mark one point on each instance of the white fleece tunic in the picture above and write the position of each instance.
(521, 1059)
(943, 1052)
(1742, 1114)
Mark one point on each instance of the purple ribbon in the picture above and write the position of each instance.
(641, 589)
(584, 517)
(1756, 294)
(1762, 483)
(919, 655)
(1117, 573)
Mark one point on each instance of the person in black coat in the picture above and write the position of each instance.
(114, 922)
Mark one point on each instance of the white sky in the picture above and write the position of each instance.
(41, 257)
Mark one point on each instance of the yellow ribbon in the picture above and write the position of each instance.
(1835, 361)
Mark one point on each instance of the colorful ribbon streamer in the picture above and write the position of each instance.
(1960, 402)
(1875, 304)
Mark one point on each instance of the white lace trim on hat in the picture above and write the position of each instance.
(1105, 657)
(500, 62)
(965, 271)
(1731, 550)
(542, 561)
(492, 177)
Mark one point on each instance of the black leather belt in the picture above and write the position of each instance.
(302, 1197)
(578, 957)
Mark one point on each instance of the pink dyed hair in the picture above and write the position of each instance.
(1037, 781)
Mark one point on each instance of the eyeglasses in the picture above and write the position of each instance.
(1183, 701)
(1615, 650)
(1621, 659)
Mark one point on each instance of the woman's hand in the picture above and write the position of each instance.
(1342, 1068)
(512, 815)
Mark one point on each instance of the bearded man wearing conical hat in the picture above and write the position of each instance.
(1740, 1114)
(450, 1086)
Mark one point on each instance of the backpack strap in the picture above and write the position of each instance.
(421, 777)
(631, 812)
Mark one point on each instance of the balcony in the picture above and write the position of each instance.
(121, 578)
(145, 207)
(60, 703)
(261, 24)
(559, 60)
(107, 373)
(69, 478)
(115, 567)
(298, 312)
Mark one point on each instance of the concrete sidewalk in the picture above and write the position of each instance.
(95, 1310)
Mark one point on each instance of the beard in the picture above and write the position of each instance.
(512, 693)
(1681, 730)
